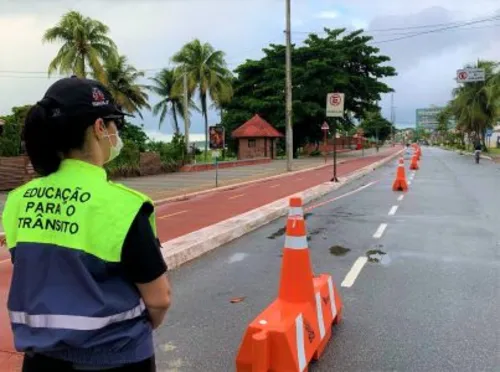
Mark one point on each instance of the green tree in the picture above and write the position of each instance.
(86, 45)
(476, 105)
(10, 139)
(335, 62)
(135, 134)
(122, 82)
(376, 126)
(171, 99)
(444, 120)
(207, 72)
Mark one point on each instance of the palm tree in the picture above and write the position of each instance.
(85, 45)
(222, 94)
(122, 82)
(206, 71)
(475, 105)
(164, 85)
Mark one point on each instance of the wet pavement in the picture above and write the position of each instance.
(427, 298)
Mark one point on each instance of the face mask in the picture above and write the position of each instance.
(115, 150)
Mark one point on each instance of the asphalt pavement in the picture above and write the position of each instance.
(427, 298)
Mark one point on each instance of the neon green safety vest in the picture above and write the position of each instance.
(65, 233)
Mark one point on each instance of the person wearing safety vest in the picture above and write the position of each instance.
(89, 282)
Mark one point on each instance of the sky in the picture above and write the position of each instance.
(149, 32)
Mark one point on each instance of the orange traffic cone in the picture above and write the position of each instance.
(419, 153)
(400, 183)
(295, 328)
(414, 162)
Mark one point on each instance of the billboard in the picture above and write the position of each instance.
(216, 137)
(426, 119)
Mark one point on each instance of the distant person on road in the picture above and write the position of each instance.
(89, 283)
(477, 146)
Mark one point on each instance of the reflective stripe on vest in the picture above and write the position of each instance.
(74, 322)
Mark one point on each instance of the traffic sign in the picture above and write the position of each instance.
(470, 75)
(325, 126)
(489, 132)
(335, 105)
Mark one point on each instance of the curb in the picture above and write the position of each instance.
(461, 152)
(183, 249)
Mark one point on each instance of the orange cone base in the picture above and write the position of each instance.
(287, 336)
(400, 185)
(414, 166)
(324, 290)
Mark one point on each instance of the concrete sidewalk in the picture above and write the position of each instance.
(176, 184)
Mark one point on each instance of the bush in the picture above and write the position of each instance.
(10, 140)
(315, 153)
(172, 154)
(127, 163)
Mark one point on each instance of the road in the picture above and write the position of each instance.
(175, 219)
(427, 300)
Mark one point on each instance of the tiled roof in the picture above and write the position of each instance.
(256, 127)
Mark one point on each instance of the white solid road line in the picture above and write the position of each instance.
(409, 182)
(401, 197)
(340, 196)
(172, 215)
(380, 231)
(356, 268)
(393, 210)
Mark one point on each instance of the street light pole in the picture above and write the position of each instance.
(288, 112)
(334, 178)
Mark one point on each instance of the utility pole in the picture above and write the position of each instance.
(393, 117)
(288, 112)
(186, 111)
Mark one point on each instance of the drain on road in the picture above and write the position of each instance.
(315, 232)
(236, 300)
(277, 233)
(338, 250)
(377, 256)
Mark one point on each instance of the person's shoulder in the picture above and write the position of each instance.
(19, 191)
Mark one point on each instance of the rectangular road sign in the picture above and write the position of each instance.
(489, 132)
(335, 105)
(470, 75)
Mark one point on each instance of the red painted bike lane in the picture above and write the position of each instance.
(179, 218)
(183, 217)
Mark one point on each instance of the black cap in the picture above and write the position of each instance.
(76, 96)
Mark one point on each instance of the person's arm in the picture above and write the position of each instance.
(144, 265)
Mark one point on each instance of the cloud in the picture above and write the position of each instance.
(328, 14)
(158, 136)
(417, 44)
(149, 32)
